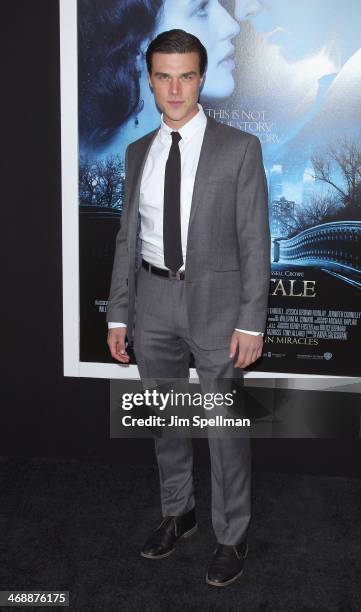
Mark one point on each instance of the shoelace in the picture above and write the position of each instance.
(168, 519)
(222, 551)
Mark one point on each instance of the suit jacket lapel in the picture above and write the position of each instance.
(205, 164)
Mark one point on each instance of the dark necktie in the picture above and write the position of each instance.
(172, 239)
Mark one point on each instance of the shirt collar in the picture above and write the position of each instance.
(189, 129)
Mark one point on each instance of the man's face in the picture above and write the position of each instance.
(299, 29)
(176, 80)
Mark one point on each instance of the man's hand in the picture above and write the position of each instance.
(248, 347)
(116, 343)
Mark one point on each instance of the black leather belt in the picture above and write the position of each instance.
(160, 272)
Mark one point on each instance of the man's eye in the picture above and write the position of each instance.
(202, 9)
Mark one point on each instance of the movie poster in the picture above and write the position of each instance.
(289, 73)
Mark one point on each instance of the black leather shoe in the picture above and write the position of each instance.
(163, 538)
(227, 564)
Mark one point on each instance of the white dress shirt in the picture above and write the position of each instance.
(152, 189)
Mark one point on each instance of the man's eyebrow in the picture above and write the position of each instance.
(182, 74)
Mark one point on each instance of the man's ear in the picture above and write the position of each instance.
(203, 78)
(149, 81)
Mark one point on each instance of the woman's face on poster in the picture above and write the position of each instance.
(215, 27)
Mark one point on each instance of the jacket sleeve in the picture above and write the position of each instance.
(254, 238)
(117, 309)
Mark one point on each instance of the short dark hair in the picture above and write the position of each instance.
(177, 41)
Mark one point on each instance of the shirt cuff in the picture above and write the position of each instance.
(246, 331)
(112, 325)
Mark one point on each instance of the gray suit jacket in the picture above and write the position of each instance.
(228, 248)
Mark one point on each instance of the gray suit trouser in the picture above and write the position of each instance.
(162, 345)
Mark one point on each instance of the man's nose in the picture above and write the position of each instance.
(175, 86)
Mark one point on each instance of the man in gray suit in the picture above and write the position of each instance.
(192, 258)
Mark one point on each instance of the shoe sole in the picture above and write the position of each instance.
(185, 535)
(221, 584)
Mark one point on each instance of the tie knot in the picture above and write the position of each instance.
(176, 137)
